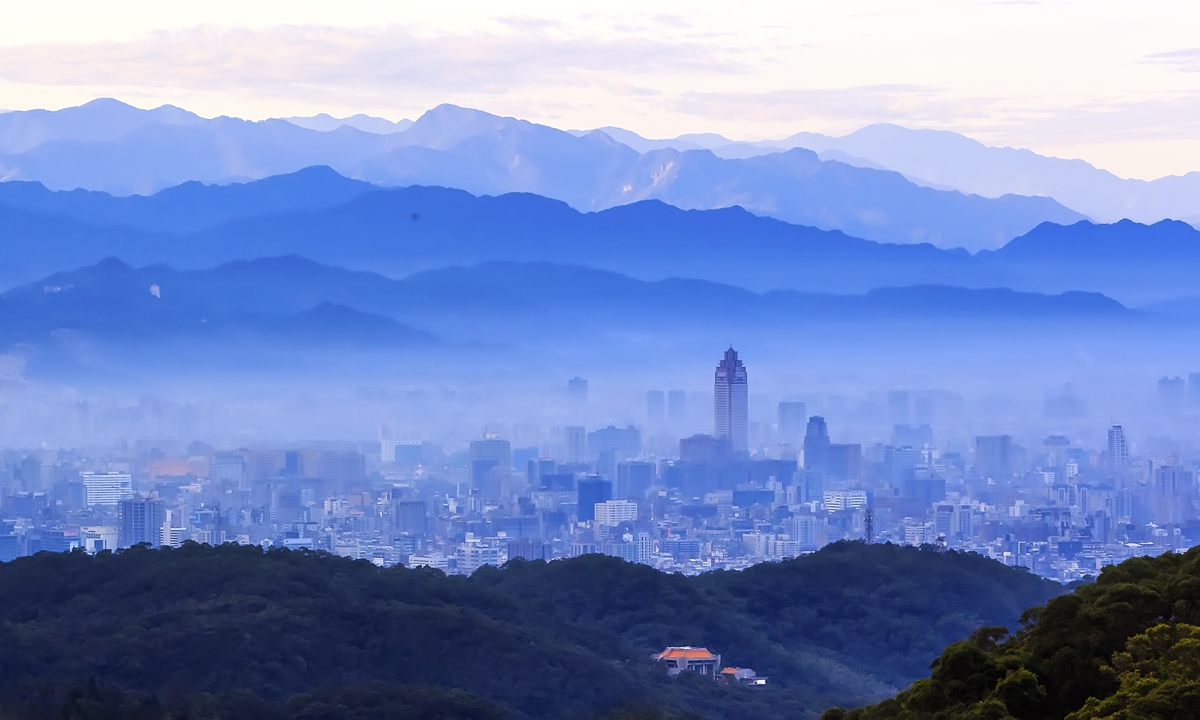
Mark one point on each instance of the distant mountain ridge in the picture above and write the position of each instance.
(950, 161)
(321, 215)
(105, 145)
(292, 298)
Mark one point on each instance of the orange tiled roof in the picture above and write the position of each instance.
(689, 653)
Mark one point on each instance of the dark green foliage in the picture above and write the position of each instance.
(1126, 646)
(232, 632)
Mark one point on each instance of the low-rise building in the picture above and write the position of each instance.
(690, 659)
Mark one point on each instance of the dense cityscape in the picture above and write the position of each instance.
(701, 502)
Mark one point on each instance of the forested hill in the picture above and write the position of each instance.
(234, 632)
(1126, 647)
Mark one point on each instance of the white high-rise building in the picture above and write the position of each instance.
(731, 404)
(612, 513)
(107, 488)
(1118, 451)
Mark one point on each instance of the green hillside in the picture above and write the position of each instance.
(232, 632)
(1126, 647)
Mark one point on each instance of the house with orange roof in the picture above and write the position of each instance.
(690, 659)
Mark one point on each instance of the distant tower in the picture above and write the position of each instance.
(869, 525)
(577, 391)
(731, 405)
(816, 445)
(1118, 451)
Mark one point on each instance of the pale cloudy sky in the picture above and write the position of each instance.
(1116, 83)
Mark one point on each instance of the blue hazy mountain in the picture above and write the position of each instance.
(191, 206)
(291, 296)
(105, 145)
(111, 302)
(320, 215)
(291, 317)
(401, 231)
(950, 161)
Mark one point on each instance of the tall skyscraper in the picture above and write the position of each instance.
(816, 445)
(1118, 451)
(676, 407)
(731, 402)
(791, 421)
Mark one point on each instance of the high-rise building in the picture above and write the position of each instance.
(1118, 451)
(228, 470)
(656, 408)
(140, 520)
(625, 443)
(993, 456)
(592, 490)
(576, 445)
(791, 421)
(731, 402)
(634, 478)
(612, 513)
(490, 461)
(577, 391)
(1172, 394)
(106, 488)
(410, 517)
(845, 462)
(816, 445)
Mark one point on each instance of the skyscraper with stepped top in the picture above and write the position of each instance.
(730, 403)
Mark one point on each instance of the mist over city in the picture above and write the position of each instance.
(521, 362)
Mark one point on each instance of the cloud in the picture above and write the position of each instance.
(1187, 59)
(293, 59)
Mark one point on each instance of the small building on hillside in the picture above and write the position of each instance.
(690, 659)
(740, 676)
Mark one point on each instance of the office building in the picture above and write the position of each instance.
(816, 445)
(576, 438)
(106, 489)
(731, 402)
(490, 464)
(1118, 452)
(634, 478)
(845, 462)
(592, 490)
(612, 513)
(411, 517)
(994, 457)
(791, 421)
(705, 449)
(228, 470)
(140, 520)
(577, 391)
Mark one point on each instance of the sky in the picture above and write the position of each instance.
(1114, 83)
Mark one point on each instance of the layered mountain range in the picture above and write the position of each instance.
(413, 243)
(106, 145)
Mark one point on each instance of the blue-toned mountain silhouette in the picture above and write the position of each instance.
(106, 145)
(320, 215)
